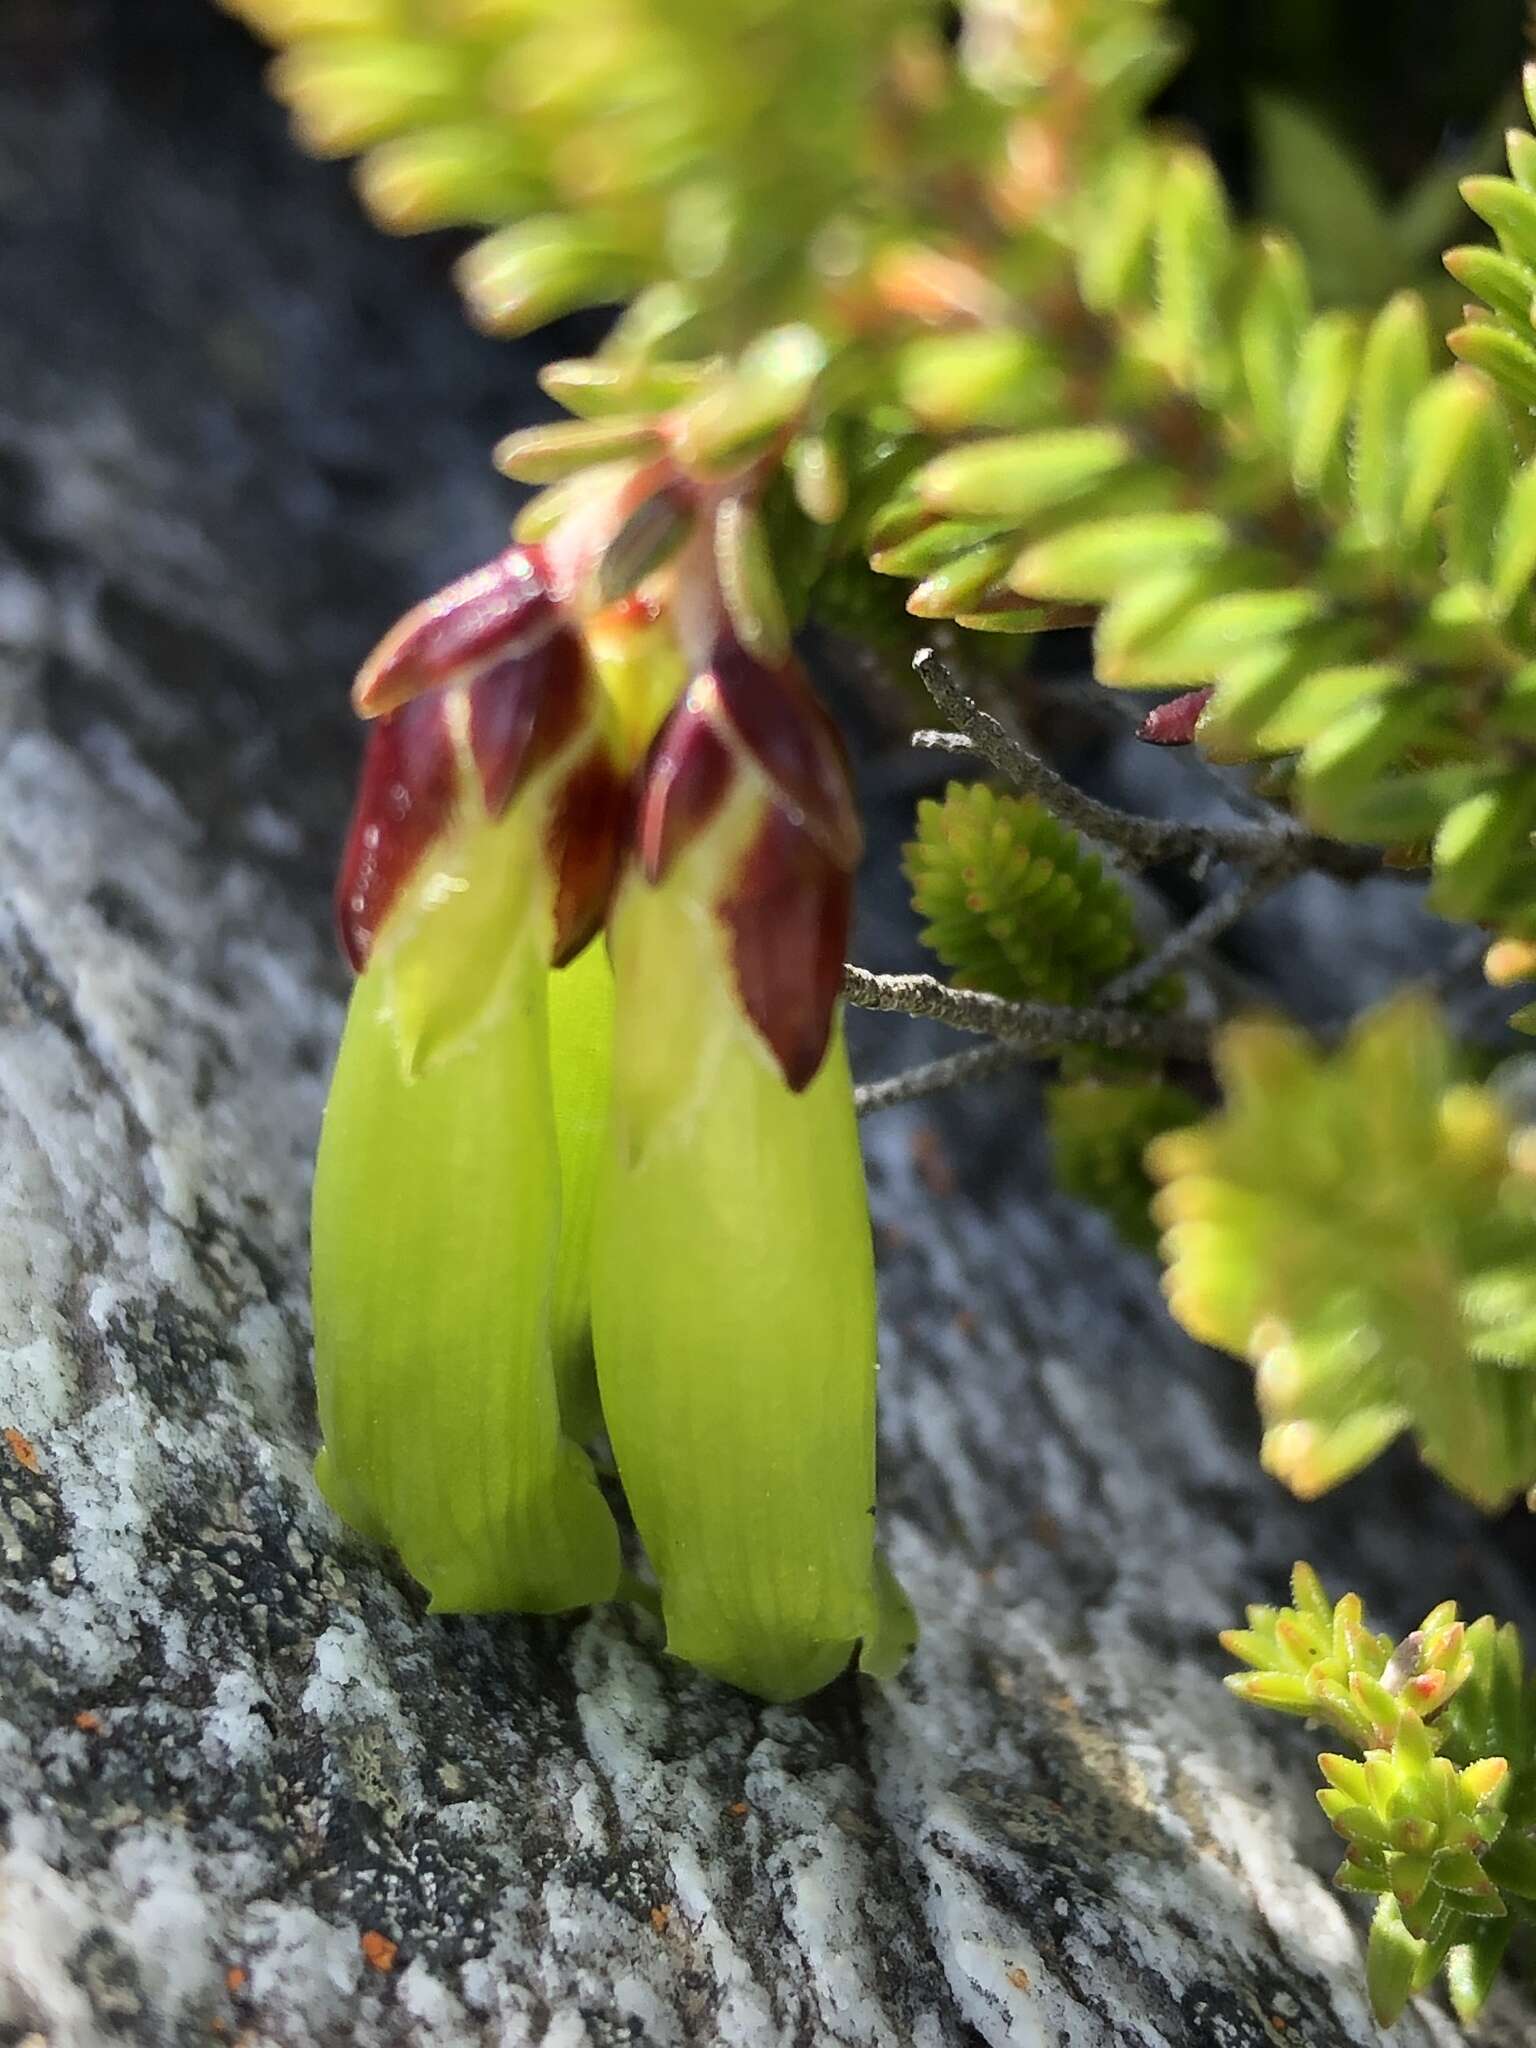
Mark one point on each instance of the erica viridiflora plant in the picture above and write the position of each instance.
(590, 1160)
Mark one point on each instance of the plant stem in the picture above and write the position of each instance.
(1208, 923)
(1028, 1027)
(1282, 850)
(936, 1076)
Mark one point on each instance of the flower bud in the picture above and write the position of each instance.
(733, 1277)
(482, 848)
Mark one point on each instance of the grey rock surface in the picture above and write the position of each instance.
(237, 432)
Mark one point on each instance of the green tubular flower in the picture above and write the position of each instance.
(482, 846)
(733, 1278)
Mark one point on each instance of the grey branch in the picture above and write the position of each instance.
(1029, 1027)
(936, 1077)
(943, 741)
(1143, 842)
(1208, 923)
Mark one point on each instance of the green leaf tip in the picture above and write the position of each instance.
(1361, 1227)
(1015, 902)
(1438, 1807)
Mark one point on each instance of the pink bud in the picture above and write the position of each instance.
(1173, 724)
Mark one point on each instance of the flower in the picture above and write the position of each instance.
(482, 849)
(733, 1277)
(623, 1196)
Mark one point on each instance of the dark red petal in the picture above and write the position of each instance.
(787, 916)
(777, 716)
(583, 841)
(1173, 724)
(682, 785)
(523, 710)
(405, 798)
(504, 608)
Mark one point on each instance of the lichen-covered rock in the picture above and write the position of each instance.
(252, 1791)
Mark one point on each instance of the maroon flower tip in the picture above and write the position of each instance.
(776, 715)
(583, 844)
(523, 710)
(682, 785)
(787, 915)
(1173, 724)
(405, 797)
(503, 610)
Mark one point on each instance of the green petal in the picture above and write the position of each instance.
(580, 1063)
(436, 1214)
(734, 1317)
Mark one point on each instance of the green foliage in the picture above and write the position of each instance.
(1084, 69)
(1438, 1810)
(1015, 902)
(1360, 245)
(1362, 1228)
(734, 454)
(618, 144)
(1100, 1129)
(979, 315)
(1503, 343)
(1288, 505)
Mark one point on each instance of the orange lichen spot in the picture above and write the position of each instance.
(234, 1979)
(87, 1722)
(660, 1915)
(380, 1950)
(738, 1809)
(20, 1448)
(1018, 1977)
